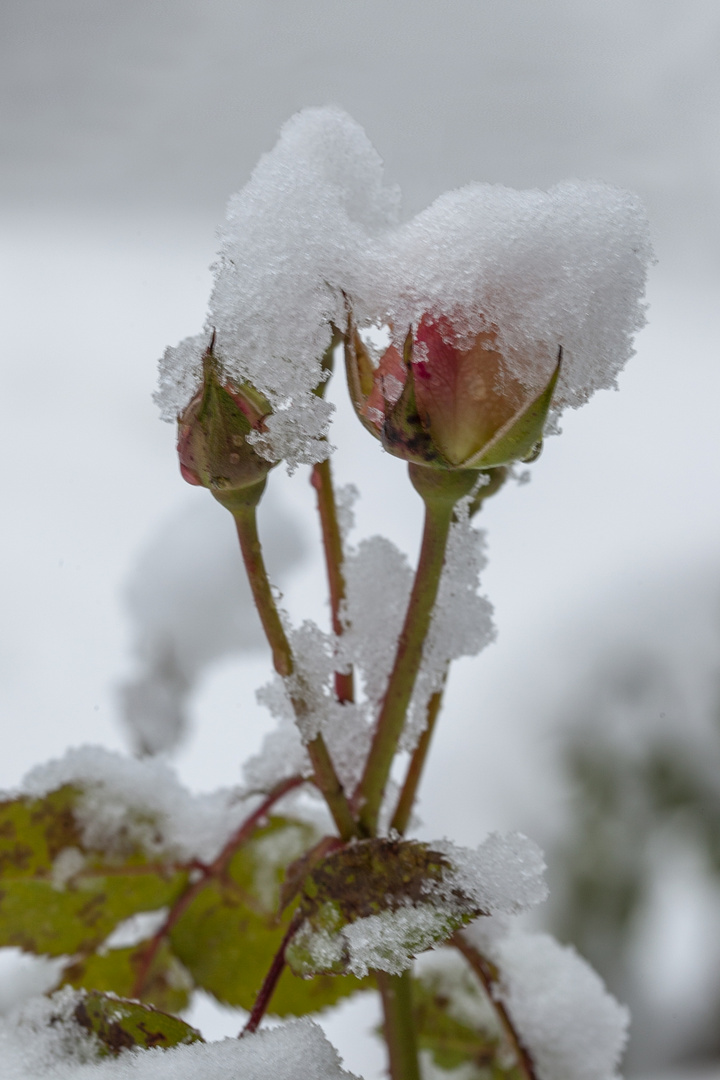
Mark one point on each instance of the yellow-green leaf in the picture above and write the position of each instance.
(167, 985)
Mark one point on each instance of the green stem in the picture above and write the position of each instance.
(440, 491)
(405, 803)
(332, 542)
(326, 778)
(399, 1026)
(246, 524)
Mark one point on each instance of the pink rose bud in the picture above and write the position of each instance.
(448, 404)
(213, 447)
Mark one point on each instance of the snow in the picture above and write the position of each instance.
(378, 580)
(140, 801)
(283, 260)
(566, 267)
(315, 230)
(43, 1041)
(571, 1026)
(504, 875)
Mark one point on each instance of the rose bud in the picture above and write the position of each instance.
(448, 404)
(212, 436)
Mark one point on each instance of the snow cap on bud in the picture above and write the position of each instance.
(212, 444)
(445, 402)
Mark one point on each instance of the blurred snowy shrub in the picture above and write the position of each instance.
(636, 874)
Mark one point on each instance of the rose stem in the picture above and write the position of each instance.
(271, 979)
(399, 1027)
(405, 803)
(440, 491)
(321, 480)
(326, 778)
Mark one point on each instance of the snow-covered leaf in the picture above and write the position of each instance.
(57, 896)
(376, 904)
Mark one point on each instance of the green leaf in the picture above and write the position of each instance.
(167, 986)
(123, 1025)
(230, 933)
(58, 897)
(296, 996)
(402, 887)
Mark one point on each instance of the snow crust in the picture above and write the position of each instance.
(33, 1045)
(316, 229)
(566, 267)
(571, 1026)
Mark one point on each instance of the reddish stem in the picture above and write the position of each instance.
(271, 979)
(321, 480)
(488, 977)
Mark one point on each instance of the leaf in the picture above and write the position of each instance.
(167, 986)
(58, 897)
(123, 1025)
(230, 933)
(376, 904)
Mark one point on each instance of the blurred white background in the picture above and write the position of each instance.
(125, 126)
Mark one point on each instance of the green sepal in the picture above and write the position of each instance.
(120, 1025)
(57, 897)
(360, 374)
(520, 439)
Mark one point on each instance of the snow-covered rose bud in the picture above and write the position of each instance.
(212, 436)
(447, 402)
